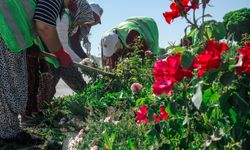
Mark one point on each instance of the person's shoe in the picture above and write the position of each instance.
(24, 138)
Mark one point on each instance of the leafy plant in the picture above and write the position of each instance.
(237, 23)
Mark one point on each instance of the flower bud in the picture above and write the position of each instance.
(136, 87)
(148, 53)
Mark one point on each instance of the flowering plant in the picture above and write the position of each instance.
(200, 83)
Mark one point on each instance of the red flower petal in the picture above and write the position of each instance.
(157, 119)
(163, 113)
(141, 115)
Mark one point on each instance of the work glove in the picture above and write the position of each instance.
(88, 61)
(64, 57)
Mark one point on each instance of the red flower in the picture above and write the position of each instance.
(245, 52)
(176, 10)
(156, 118)
(164, 87)
(174, 63)
(215, 47)
(195, 4)
(208, 62)
(210, 57)
(187, 73)
(141, 114)
(169, 16)
(136, 87)
(163, 113)
(160, 70)
(167, 72)
(175, 70)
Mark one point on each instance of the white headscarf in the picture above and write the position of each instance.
(108, 43)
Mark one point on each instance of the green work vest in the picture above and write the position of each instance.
(17, 26)
(145, 26)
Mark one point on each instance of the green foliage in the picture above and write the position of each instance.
(211, 112)
(187, 59)
(208, 30)
(215, 29)
(214, 115)
(237, 22)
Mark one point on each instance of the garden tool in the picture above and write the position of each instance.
(83, 67)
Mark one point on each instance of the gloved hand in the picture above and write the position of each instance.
(88, 62)
(64, 57)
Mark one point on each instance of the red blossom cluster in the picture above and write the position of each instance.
(245, 52)
(176, 7)
(141, 115)
(163, 115)
(210, 58)
(167, 72)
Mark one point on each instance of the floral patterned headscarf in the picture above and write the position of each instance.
(80, 13)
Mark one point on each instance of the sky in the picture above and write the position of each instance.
(116, 11)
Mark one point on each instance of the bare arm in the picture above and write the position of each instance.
(49, 36)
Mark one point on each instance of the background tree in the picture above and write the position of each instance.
(237, 22)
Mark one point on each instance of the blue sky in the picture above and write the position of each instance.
(116, 11)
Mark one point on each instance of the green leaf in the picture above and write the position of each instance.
(200, 34)
(212, 75)
(197, 98)
(216, 113)
(178, 49)
(214, 98)
(242, 100)
(140, 101)
(131, 145)
(196, 38)
(227, 78)
(224, 104)
(206, 96)
(106, 140)
(215, 29)
(112, 138)
(152, 133)
(233, 115)
(206, 118)
(165, 147)
(168, 109)
(212, 29)
(187, 59)
(218, 30)
(150, 114)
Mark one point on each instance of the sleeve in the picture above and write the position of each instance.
(47, 11)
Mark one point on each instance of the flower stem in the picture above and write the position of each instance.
(194, 18)
(184, 96)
